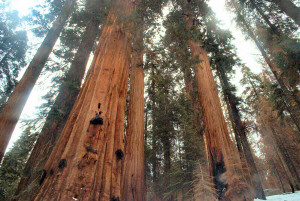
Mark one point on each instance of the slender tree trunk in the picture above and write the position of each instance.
(12, 111)
(287, 164)
(278, 176)
(221, 152)
(167, 164)
(286, 160)
(85, 163)
(10, 84)
(290, 9)
(58, 115)
(133, 183)
(276, 34)
(154, 160)
(290, 101)
(191, 90)
(240, 133)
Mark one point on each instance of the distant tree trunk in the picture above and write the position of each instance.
(221, 152)
(10, 83)
(291, 59)
(133, 183)
(240, 132)
(154, 145)
(85, 163)
(58, 115)
(15, 104)
(291, 102)
(154, 159)
(287, 163)
(290, 9)
(166, 141)
(277, 175)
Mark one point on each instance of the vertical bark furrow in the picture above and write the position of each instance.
(56, 120)
(89, 173)
(133, 184)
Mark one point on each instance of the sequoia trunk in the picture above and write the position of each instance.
(15, 104)
(58, 116)
(85, 163)
(204, 179)
(133, 183)
(220, 149)
(221, 152)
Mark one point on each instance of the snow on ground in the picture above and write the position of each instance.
(284, 197)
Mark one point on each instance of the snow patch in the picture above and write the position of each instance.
(284, 197)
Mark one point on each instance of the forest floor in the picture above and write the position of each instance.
(284, 197)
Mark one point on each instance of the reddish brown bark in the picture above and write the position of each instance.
(133, 183)
(56, 120)
(85, 164)
(221, 153)
(15, 104)
(204, 181)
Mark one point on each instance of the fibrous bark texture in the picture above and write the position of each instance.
(133, 183)
(15, 104)
(204, 186)
(85, 164)
(225, 166)
(221, 153)
(57, 117)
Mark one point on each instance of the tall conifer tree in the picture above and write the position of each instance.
(14, 106)
(89, 153)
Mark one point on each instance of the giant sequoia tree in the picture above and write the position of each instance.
(133, 183)
(90, 151)
(64, 102)
(220, 148)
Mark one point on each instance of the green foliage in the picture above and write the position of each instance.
(172, 130)
(13, 46)
(276, 34)
(42, 15)
(13, 163)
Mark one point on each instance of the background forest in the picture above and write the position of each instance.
(149, 100)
